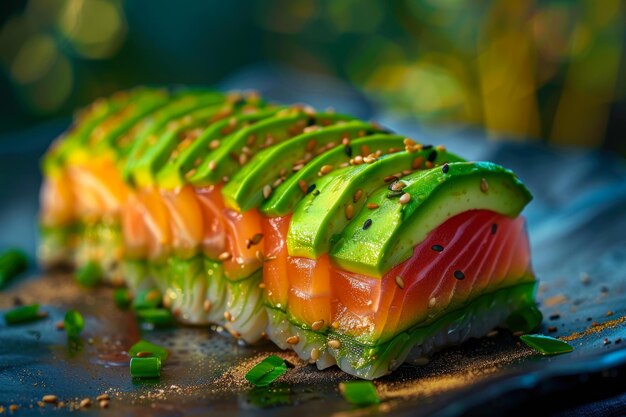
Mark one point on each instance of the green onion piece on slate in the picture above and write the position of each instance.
(122, 298)
(147, 299)
(359, 393)
(74, 323)
(89, 274)
(546, 345)
(156, 316)
(145, 367)
(145, 346)
(12, 263)
(266, 371)
(23, 314)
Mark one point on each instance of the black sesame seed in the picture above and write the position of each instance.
(494, 229)
(427, 147)
(367, 224)
(348, 151)
(445, 168)
(371, 131)
(310, 189)
(432, 156)
(459, 275)
(555, 316)
(437, 248)
(310, 121)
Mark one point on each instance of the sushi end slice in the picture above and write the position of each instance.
(513, 307)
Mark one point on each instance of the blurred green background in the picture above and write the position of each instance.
(534, 70)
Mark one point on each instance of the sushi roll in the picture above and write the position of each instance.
(329, 235)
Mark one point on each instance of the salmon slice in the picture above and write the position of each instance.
(186, 220)
(244, 238)
(57, 200)
(309, 289)
(275, 275)
(213, 231)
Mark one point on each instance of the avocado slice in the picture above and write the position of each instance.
(148, 131)
(319, 219)
(284, 198)
(173, 174)
(237, 148)
(436, 195)
(245, 190)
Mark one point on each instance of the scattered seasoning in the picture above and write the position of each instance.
(85, 403)
(266, 371)
(293, 340)
(74, 323)
(396, 185)
(348, 150)
(315, 354)
(359, 393)
(367, 224)
(228, 316)
(459, 275)
(390, 178)
(372, 206)
(59, 325)
(432, 156)
(417, 162)
(24, 314)
(212, 165)
(13, 408)
(317, 325)
(357, 196)
(143, 346)
(89, 274)
(546, 345)
(267, 191)
(445, 168)
(143, 368)
(555, 316)
(400, 282)
(494, 229)
(50, 399)
(310, 188)
(484, 186)
(437, 248)
(325, 169)
(12, 263)
(159, 317)
(224, 256)
(349, 211)
(103, 397)
(254, 240)
(335, 344)
(552, 329)
(405, 198)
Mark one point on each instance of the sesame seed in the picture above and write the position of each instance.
(400, 282)
(104, 404)
(437, 248)
(409, 142)
(358, 160)
(429, 164)
(303, 186)
(310, 188)
(369, 159)
(349, 211)
(357, 196)
(484, 186)
(224, 256)
(335, 325)
(293, 340)
(317, 325)
(440, 148)
(144, 354)
(398, 185)
(261, 285)
(14, 407)
(214, 144)
(228, 316)
(367, 224)
(243, 158)
(311, 145)
(190, 173)
(297, 167)
(372, 206)
(445, 168)
(459, 275)
(552, 329)
(405, 198)
(267, 191)
(326, 169)
(335, 344)
(345, 139)
(206, 306)
(365, 150)
(494, 229)
(85, 403)
(212, 165)
(60, 325)
(432, 302)
(315, 354)
(390, 178)
(50, 399)
(348, 150)
(316, 192)
(395, 193)
(254, 240)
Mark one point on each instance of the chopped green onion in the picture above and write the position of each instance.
(89, 275)
(147, 299)
(74, 323)
(12, 263)
(360, 393)
(122, 298)
(546, 345)
(23, 314)
(145, 367)
(145, 346)
(156, 316)
(266, 371)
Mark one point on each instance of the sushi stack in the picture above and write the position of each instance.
(326, 234)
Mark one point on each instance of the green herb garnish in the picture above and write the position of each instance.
(266, 371)
(145, 346)
(147, 299)
(122, 298)
(546, 345)
(89, 275)
(145, 367)
(23, 314)
(156, 316)
(12, 263)
(74, 323)
(360, 393)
